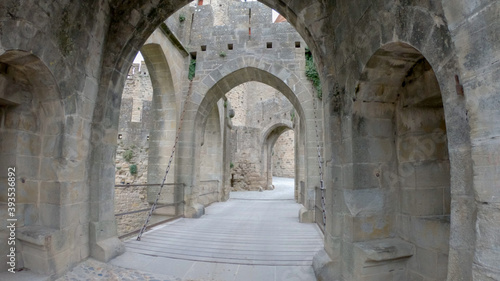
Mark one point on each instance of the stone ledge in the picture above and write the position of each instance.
(324, 267)
(194, 211)
(38, 251)
(382, 259)
(107, 249)
(38, 235)
(384, 249)
(306, 216)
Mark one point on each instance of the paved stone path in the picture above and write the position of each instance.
(254, 236)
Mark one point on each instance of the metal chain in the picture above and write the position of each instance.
(320, 165)
(153, 207)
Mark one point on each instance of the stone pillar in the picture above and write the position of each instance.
(474, 26)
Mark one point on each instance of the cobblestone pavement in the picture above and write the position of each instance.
(94, 270)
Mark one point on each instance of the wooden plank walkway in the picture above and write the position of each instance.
(252, 228)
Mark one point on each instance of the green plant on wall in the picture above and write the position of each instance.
(292, 115)
(192, 69)
(182, 17)
(231, 165)
(222, 54)
(128, 154)
(312, 73)
(133, 169)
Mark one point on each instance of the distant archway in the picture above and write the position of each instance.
(237, 74)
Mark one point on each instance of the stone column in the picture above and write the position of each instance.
(474, 27)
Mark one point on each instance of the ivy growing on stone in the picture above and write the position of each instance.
(312, 73)
(182, 17)
(192, 69)
(133, 169)
(128, 154)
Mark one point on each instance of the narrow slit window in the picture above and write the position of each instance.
(229, 46)
(249, 22)
(203, 48)
(297, 44)
(269, 45)
(192, 66)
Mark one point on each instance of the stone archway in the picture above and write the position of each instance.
(33, 147)
(164, 120)
(132, 24)
(210, 188)
(146, 135)
(269, 137)
(400, 155)
(164, 111)
(214, 85)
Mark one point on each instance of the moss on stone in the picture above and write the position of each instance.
(133, 169)
(192, 69)
(312, 73)
(128, 154)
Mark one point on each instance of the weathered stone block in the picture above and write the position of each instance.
(364, 202)
(432, 174)
(368, 227)
(430, 232)
(380, 259)
(306, 216)
(105, 250)
(27, 192)
(422, 202)
(366, 176)
(324, 267)
(39, 246)
(370, 150)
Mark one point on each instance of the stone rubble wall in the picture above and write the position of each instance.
(283, 158)
(134, 126)
(130, 199)
(256, 106)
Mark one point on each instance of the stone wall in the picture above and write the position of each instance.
(134, 127)
(257, 106)
(130, 198)
(283, 156)
(224, 30)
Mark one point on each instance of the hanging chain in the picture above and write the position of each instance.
(153, 207)
(320, 166)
